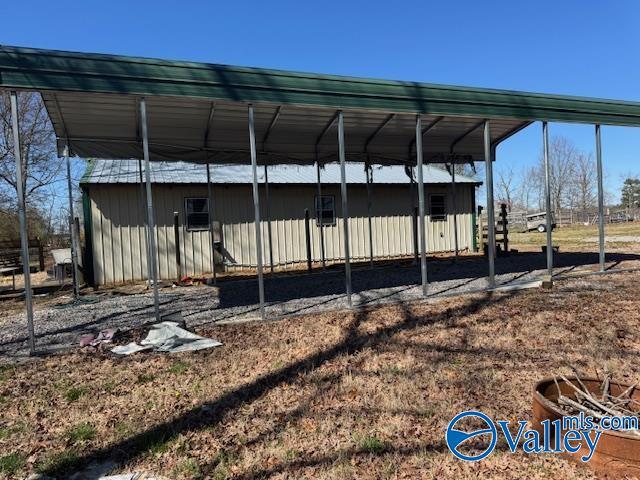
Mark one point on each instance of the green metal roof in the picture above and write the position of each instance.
(46, 70)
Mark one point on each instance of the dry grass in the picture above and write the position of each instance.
(574, 237)
(362, 394)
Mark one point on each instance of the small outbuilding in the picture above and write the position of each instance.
(115, 216)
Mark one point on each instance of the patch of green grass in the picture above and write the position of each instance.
(145, 378)
(12, 463)
(6, 432)
(222, 461)
(291, 455)
(80, 433)
(179, 367)
(123, 429)
(74, 393)
(154, 443)
(5, 372)
(395, 371)
(370, 443)
(189, 468)
(427, 411)
(59, 462)
(109, 386)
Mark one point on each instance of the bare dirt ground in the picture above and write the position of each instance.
(365, 393)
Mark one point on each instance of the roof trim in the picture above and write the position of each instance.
(35, 69)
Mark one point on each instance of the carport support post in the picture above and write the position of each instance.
(22, 216)
(211, 232)
(421, 222)
(369, 173)
(320, 220)
(547, 196)
(454, 208)
(268, 212)
(600, 197)
(256, 208)
(142, 202)
(151, 244)
(345, 212)
(72, 230)
(491, 220)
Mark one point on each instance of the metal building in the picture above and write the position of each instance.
(115, 217)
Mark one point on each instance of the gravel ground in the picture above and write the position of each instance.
(59, 326)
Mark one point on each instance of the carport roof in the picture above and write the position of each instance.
(198, 112)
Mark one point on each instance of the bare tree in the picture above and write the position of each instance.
(40, 164)
(584, 184)
(562, 162)
(528, 189)
(506, 187)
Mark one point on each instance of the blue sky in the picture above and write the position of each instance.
(585, 47)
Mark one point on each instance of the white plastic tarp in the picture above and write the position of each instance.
(168, 337)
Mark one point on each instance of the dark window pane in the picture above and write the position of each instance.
(197, 213)
(437, 208)
(325, 210)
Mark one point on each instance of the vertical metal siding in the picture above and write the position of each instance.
(119, 236)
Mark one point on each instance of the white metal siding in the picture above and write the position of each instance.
(119, 234)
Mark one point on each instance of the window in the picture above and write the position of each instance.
(437, 208)
(197, 213)
(325, 210)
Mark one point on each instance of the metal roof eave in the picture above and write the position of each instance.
(46, 70)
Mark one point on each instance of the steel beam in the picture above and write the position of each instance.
(368, 171)
(211, 223)
(424, 131)
(22, 217)
(601, 238)
(466, 133)
(345, 210)
(421, 206)
(268, 212)
(207, 132)
(369, 179)
(491, 220)
(146, 226)
(72, 233)
(319, 212)
(378, 129)
(272, 124)
(150, 218)
(454, 200)
(510, 133)
(324, 131)
(256, 208)
(547, 196)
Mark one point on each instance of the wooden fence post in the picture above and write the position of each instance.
(40, 255)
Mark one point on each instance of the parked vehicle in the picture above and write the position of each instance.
(620, 217)
(538, 221)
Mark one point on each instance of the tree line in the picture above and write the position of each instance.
(573, 182)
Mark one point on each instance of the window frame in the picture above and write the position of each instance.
(439, 217)
(186, 215)
(320, 221)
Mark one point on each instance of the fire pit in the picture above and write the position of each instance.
(618, 452)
